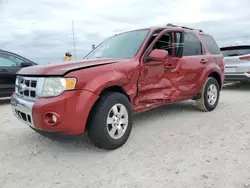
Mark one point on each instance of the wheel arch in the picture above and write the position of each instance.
(212, 70)
(217, 76)
(115, 88)
(109, 89)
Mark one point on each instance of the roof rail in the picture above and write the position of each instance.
(184, 27)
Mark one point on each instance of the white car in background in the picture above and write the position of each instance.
(237, 63)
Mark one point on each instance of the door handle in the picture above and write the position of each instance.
(3, 70)
(203, 61)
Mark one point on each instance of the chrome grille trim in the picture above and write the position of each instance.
(28, 87)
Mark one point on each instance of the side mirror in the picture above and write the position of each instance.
(26, 64)
(158, 55)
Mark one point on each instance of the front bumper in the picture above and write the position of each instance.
(237, 77)
(71, 108)
(22, 109)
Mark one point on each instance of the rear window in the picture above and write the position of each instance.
(211, 44)
(235, 51)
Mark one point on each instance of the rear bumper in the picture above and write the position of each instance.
(71, 109)
(237, 77)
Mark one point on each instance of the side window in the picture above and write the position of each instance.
(192, 45)
(7, 60)
(211, 44)
(164, 43)
(154, 35)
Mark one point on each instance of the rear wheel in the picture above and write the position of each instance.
(110, 121)
(210, 95)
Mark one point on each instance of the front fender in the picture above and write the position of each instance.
(96, 79)
(100, 82)
(208, 70)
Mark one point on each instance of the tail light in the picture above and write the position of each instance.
(245, 58)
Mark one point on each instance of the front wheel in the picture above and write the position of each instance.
(110, 121)
(210, 95)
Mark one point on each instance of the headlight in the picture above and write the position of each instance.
(54, 86)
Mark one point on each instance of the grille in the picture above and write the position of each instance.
(23, 116)
(26, 87)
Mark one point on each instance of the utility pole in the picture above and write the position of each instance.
(73, 31)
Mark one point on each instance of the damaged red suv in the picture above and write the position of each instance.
(127, 73)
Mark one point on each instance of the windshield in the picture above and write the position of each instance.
(125, 45)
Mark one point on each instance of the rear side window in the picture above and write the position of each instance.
(235, 51)
(211, 44)
(192, 45)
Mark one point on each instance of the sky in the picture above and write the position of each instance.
(41, 30)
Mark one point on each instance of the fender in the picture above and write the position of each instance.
(108, 79)
(213, 67)
(96, 79)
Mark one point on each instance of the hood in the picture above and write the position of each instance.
(62, 68)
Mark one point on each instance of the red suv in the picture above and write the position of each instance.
(127, 73)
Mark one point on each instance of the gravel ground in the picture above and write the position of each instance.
(172, 146)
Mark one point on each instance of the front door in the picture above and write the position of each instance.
(158, 81)
(9, 65)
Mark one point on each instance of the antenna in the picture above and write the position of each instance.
(73, 31)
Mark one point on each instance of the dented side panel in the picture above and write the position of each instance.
(172, 81)
(161, 85)
(152, 84)
(155, 86)
(124, 74)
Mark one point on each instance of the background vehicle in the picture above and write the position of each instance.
(129, 72)
(10, 63)
(237, 63)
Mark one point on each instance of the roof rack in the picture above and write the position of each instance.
(184, 27)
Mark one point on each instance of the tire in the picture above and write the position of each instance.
(202, 103)
(100, 132)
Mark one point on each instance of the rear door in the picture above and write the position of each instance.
(9, 65)
(213, 49)
(237, 59)
(193, 62)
